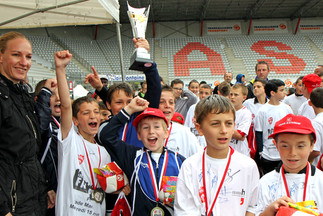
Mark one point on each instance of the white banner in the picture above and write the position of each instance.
(313, 26)
(269, 27)
(214, 28)
(128, 78)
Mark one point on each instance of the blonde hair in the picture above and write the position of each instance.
(10, 36)
(152, 117)
(244, 89)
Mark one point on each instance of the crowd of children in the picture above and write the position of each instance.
(222, 154)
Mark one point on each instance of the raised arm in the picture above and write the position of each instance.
(62, 59)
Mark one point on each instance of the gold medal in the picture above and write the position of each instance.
(98, 195)
(157, 211)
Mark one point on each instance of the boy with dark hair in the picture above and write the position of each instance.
(193, 86)
(297, 99)
(218, 180)
(78, 191)
(243, 119)
(149, 166)
(264, 123)
(121, 94)
(317, 103)
(295, 179)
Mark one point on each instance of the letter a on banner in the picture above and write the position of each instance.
(182, 65)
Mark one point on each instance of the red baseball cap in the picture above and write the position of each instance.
(293, 124)
(177, 117)
(312, 81)
(149, 112)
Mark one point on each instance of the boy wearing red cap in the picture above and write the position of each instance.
(310, 82)
(149, 166)
(295, 179)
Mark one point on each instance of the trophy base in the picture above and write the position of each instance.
(139, 60)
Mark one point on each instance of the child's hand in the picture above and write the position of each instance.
(62, 58)
(51, 84)
(272, 209)
(136, 105)
(51, 198)
(141, 42)
(94, 80)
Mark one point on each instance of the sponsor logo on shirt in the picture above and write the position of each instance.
(81, 158)
(270, 120)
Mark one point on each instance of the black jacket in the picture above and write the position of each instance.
(22, 185)
(49, 126)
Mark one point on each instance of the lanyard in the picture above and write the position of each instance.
(157, 188)
(306, 180)
(169, 131)
(88, 159)
(56, 122)
(208, 212)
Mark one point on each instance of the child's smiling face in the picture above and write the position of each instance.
(294, 150)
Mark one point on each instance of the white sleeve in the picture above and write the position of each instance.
(189, 116)
(245, 123)
(68, 140)
(318, 131)
(185, 201)
(193, 144)
(258, 121)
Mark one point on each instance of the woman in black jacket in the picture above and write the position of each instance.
(22, 185)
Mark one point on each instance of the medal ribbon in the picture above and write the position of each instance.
(209, 212)
(157, 188)
(88, 159)
(169, 131)
(306, 180)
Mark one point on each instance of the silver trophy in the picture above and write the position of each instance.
(138, 17)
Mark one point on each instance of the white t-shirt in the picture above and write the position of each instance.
(243, 122)
(237, 195)
(306, 110)
(271, 188)
(265, 121)
(252, 106)
(189, 122)
(75, 188)
(317, 123)
(294, 102)
(182, 140)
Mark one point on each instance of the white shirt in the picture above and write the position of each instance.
(252, 106)
(75, 188)
(306, 110)
(243, 122)
(182, 140)
(265, 121)
(294, 102)
(317, 123)
(271, 188)
(237, 195)
(189, 122)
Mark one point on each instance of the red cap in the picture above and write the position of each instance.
(153, 112)
(293, 124)
(177, 117)
(312, 81)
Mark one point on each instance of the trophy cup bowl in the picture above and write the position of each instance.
(138, 17)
